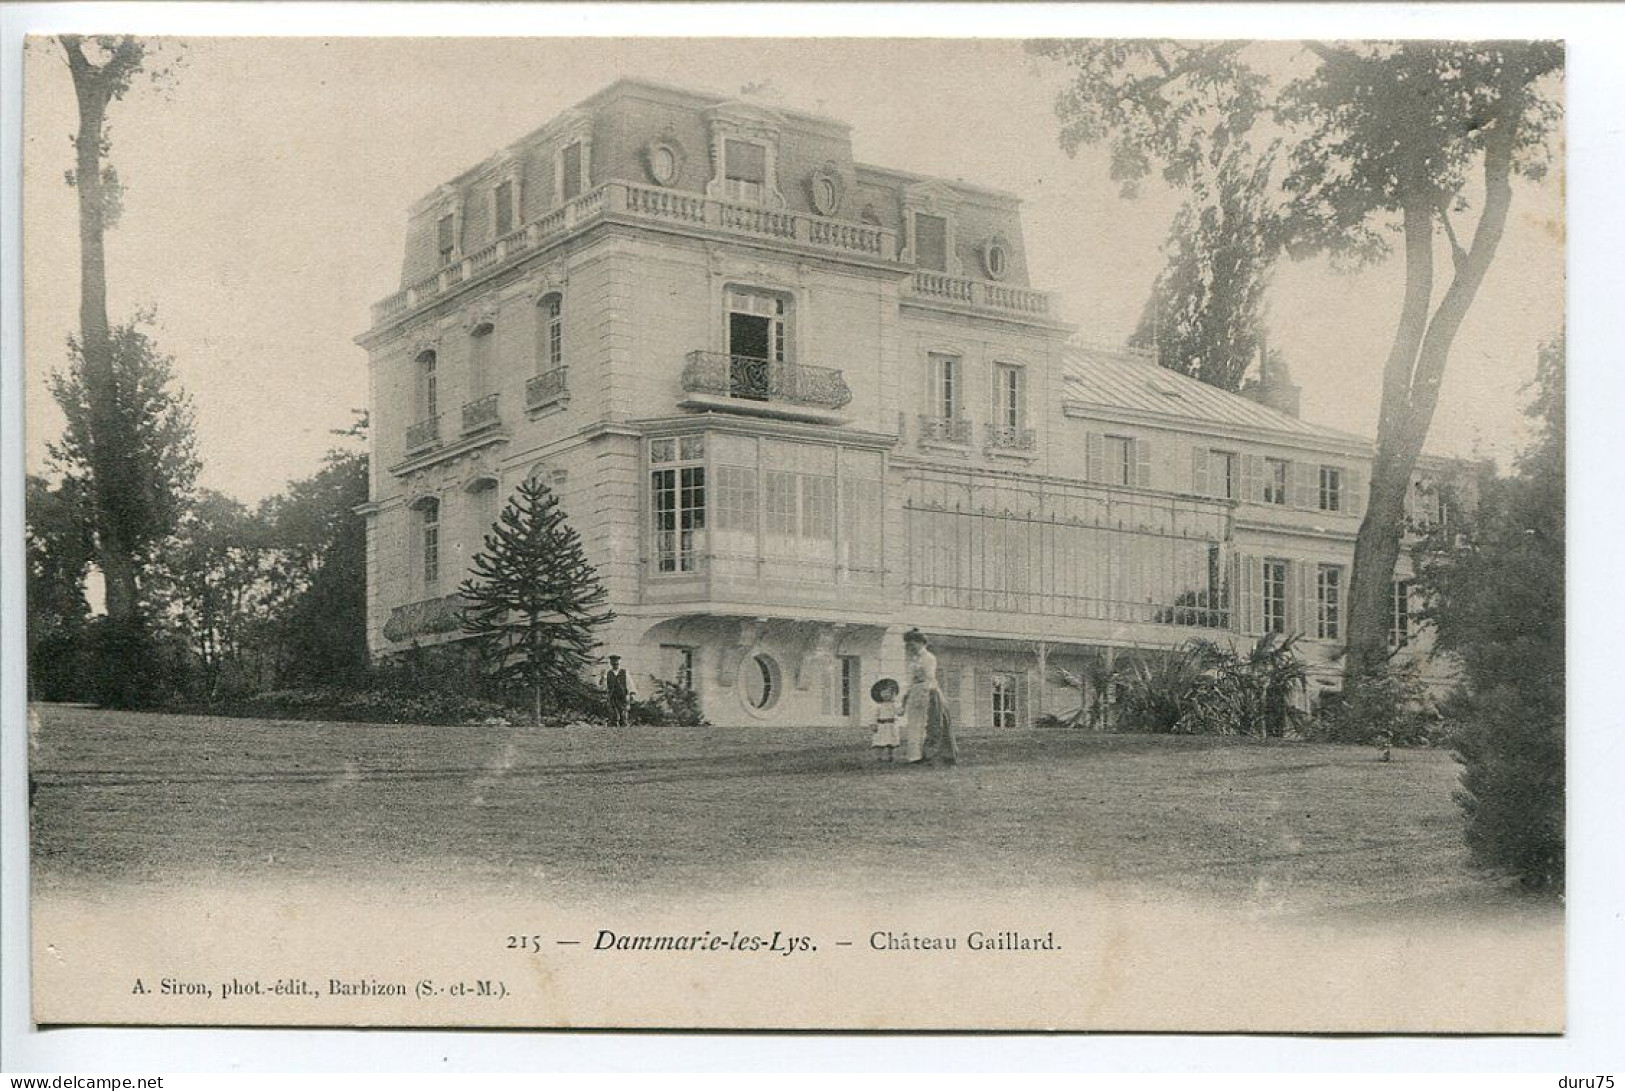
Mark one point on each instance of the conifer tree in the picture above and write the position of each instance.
(533, 601)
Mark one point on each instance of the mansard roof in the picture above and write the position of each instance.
(1123, 379)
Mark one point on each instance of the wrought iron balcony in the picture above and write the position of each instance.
(751, 379)
(544, 389)
(424, 434)
(944, 430)
(480, 414)
(1008, 438)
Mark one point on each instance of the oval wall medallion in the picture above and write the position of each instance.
(826, 190)
(996, 258)
(663, 159)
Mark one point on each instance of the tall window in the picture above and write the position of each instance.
(1329, 602)
(1222, 475)
(550, 332)
(677, 492)
(1004, 701)
(1274, 593)
(744, 170)
(931, 242)
(1399, 622)
(1119, 464)
(445, 230)
(756, 324)
(428, 386)
(849, 684)
(682, 665)
(502, 206)
(947, 396)
(1331, 488)
(1276, 476)
(570, 168)
(429, 541)
(480, 344)
(1010, 399)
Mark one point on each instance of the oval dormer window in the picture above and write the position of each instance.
(996, 259)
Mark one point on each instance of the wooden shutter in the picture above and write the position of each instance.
(1252, 479)
(1142, 463)
(1249, 607)
(1095, 457)
(952, 683)
(1300, 592)
(1354, 491)
(1305, 482)
(1201, 459)
(982, 714)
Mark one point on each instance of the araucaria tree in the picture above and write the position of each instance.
(1379, 139)
(533, 601)
(128, 449)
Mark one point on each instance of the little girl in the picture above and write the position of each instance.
(884, 694)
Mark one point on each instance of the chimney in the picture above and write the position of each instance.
(1274, 387)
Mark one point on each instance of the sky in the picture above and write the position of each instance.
(267, 185)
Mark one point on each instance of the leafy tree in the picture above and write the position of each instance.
(218, 577)
(321, 564)
(58, 549)
(1497, 606)
(1205, 315)
(129, 464)
(1379, 139)
(128, 450)
(532, 599)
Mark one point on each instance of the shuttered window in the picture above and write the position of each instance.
(930, 242)
(502, 206)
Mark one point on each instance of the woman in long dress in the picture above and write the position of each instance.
(925, 713)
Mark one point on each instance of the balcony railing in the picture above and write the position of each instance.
(749, 378)
(944, 430)
(481, 413)
(629, 202)
(544, 389)
(425, 433)
(1008, 438)
(985, 294)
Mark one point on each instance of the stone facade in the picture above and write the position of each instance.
(796, 405)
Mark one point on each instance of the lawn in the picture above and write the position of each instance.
(1294, 825)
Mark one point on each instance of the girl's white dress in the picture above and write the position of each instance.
(886, 731)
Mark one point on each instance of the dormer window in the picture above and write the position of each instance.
(502, 207)
(446, 236)
(744, 154)
(571, 183)
(931, 242)
(744, 170)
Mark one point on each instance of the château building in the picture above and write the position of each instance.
(796, 405)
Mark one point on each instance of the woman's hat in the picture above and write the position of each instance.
(914, 636)
(884, 690)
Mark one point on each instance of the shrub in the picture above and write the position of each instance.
(1390, 709)
(1201, 688)
(1511, 754)
(370, 706)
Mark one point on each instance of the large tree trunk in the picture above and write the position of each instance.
(124, 660)
(1410, 392)
(114, 555)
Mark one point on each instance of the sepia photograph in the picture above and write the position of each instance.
(843, 534)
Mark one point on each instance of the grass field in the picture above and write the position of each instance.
(1289, 825)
